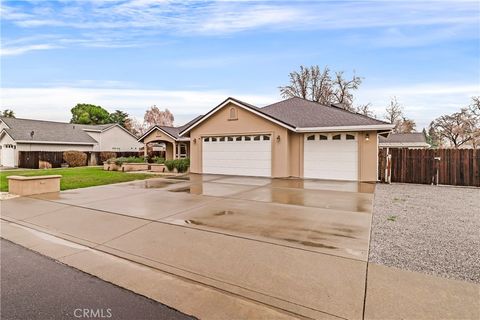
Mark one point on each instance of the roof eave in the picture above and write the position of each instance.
(150, 131)
(376, 127)
(57, 142)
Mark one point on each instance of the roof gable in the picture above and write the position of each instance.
(238, 103)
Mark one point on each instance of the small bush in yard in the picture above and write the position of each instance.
(158, 160)
(122, 160)
(106, 155)
(182, 165)
(170, 164)
(75, 158)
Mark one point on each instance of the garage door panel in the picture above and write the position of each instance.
(252, 158)
(332, 159)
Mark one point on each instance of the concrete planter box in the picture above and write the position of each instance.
(135, 167)
(25, 186)
(156, 167)
(111, 167)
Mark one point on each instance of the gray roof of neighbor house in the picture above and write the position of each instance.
(302, 113)
(414, 137)
(48, 131)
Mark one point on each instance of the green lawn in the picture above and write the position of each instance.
(73, 178)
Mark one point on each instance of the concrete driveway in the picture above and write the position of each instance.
(297, 245)
(300, 246)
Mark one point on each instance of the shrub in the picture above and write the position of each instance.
(170, 164)
(121, 160)
(75, 158)
(107, 155)
(182, 165)
(158, 160)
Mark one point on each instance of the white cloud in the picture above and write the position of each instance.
(421, 102)
(130, 23)
(13, 51)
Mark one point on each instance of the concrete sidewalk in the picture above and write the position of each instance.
(250, 247)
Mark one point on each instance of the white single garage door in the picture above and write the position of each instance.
(246, 155)
(8, 155)
(331, 156)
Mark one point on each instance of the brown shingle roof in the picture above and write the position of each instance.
(302, 113)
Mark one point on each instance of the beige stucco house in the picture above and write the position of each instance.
(290, 138)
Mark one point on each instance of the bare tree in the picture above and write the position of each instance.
(343, 89)
(135, 126)
(475, 106)
(394, 115)
(406, 126)
(154, 116)
(312, 84)
(456, 129)
(365, 110)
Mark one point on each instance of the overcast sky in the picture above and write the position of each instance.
(189, 55)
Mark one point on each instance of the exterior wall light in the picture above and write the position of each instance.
(367, 137)
(278, 138)
(194, 140)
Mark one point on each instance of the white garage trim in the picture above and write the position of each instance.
(245, 155)
(331, 156)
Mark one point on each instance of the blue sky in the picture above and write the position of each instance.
(190, 55)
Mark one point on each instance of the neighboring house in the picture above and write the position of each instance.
(414, 140)
(38, 135)
(291, 138)
(175, 146)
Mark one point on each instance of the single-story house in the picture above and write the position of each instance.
(39, 135)
(414, 140)
(290, 138)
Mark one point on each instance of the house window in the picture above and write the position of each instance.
(182, 150)
(350, 137)
(310, 138)
(323, 137)
(247, 138)
(337, 137)
(214, 139)
(266, 138)
(229, 138)
(238, 139)
(256, 138)
(221, 139)
(206, 139)
(232, 114)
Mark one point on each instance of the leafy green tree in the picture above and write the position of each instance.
(8, 113)
(119, 117)
(84, 113)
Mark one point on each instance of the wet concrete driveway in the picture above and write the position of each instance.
(298, 245)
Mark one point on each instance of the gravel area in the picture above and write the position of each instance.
(430, 229)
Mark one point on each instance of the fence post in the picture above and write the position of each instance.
(388, 168)
(437, 168)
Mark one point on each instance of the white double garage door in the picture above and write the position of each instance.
(326, 156)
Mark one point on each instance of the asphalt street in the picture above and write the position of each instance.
(36, 287)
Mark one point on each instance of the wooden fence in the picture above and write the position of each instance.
(460, 167)
(54, 159)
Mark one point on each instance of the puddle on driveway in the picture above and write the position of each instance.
(211, 189)
(339, 233)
